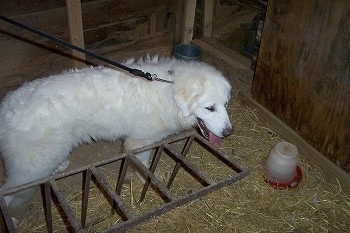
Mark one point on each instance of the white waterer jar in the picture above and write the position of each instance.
(281, 164)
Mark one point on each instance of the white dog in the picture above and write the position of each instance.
(44, 119)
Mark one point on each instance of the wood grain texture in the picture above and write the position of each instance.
(188, 22)
(334, 173)
(208, 13)
(303, 72)
(106, 23)
(18, 7)
(178, 21)
(76, 31)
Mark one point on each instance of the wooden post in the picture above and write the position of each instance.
(153, 23)
(207, 24)
(178, 21)
(76, 32)
(189, 15)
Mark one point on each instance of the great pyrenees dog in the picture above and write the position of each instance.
(43, 120)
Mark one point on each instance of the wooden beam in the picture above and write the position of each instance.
(188, 24)
(178, 21)
(223, 53)
(75, 21)
(207, 24)
(335, 173)
(234, 60)
(153, 23)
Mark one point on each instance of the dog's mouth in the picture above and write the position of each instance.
(209, 135)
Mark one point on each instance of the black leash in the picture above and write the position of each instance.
(136, 72)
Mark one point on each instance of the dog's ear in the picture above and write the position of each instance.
(186, 95)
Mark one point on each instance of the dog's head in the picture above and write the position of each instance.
(205, 94)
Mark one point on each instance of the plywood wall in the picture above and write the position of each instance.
(107, 24)
(303, 72)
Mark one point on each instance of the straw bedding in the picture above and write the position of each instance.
(249, 205)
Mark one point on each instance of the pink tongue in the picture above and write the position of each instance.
(214, 139)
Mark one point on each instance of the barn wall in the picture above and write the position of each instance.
(108, 26)
(303, 72)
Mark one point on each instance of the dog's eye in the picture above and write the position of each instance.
(211, 108)
(226, 104)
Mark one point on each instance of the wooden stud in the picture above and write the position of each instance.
(153, 23)
(207, 24)
(178, 21)
(188, 24)
(76, 32)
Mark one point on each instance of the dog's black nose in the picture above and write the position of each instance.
(227, 132)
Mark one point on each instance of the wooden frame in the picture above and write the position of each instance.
(188, 23)
(76, 33)
(189, 9)
(208, 12)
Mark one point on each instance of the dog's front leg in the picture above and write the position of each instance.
(132, 144)
(144, 157)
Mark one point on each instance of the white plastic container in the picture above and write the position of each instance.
(281, 165)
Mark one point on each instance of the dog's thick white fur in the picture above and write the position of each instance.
(44, 119)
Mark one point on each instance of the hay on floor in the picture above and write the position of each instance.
(249, 205)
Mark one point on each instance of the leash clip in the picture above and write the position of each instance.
(148, 76)
(153, 77)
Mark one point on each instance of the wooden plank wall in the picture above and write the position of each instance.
(303, 72)
(107, 25)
